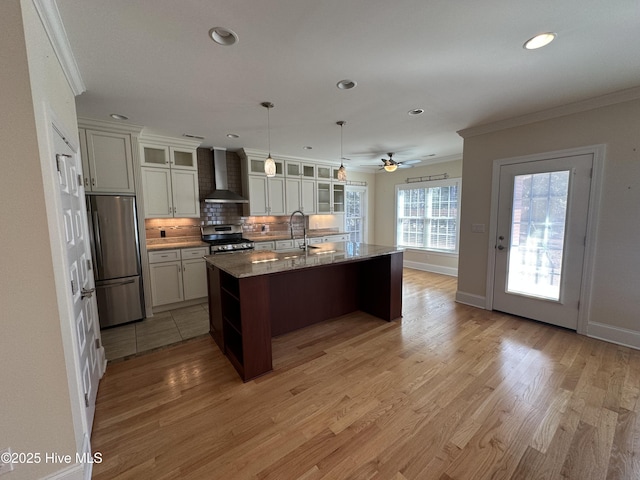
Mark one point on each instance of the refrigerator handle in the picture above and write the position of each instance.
(109, 285)
(96, 234)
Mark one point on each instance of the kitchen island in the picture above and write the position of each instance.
(256, 295)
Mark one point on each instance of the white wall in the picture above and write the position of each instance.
(614, 306)
(36, 409)
(385, 204)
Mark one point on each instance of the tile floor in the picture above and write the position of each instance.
(162, 329)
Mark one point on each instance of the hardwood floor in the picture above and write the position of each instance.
(449, 392)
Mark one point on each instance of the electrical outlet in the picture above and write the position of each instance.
(477, 228)
(5, 467)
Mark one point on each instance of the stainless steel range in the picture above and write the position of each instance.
(225, 239)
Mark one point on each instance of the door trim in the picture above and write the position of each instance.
(598, 152)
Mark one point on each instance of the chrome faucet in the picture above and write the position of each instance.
(304, 228)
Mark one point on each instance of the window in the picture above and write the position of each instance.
(355, 213)
(428, 215)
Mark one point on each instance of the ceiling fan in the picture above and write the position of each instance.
(390, 165)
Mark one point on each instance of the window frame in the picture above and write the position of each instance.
(449, 182)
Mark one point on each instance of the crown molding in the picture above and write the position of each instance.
(146, 136)
(52, 23)
(568, 109)
(109, 126)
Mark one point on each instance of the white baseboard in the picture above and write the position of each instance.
(471, 299)
(427, 267)
(72, 472)
(621, 336)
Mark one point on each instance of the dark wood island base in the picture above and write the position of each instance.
(246, 312)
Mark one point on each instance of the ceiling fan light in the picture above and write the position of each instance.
(390, 167)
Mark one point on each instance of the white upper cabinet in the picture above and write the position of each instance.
(266, 195)
(169, 173)
(167, 156)
(300, 195)
(298, 185)
(255, 166)
(323, 172)
(107, 161)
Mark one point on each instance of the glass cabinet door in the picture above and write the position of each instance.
(256, 166)
(155, 156)
(324, 197)
(324, 172)
(309, 171)
(293, 169)
(338, 198)
(183, 159)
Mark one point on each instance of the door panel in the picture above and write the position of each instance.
(542, 222)
(87, 334)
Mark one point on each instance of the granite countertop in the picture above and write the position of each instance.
(253, 263)
(270, 237)
(175, 242)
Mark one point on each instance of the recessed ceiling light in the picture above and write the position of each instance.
(346, 84)
(117, 116)
(416, 111)
(539, 41)
(232, 135)
(307, 147)
(223, 36)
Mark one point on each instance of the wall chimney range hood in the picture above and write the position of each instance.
(221, 193)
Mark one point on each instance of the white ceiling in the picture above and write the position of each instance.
(462, 61)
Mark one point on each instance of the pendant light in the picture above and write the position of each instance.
(342, 172)
(269, 164)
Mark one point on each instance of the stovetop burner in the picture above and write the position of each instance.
(225, 238)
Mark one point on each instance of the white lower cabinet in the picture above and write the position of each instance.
(194, 278)
(264, 246)
(178, 275)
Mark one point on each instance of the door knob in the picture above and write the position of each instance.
(87, 293)
(500, 247)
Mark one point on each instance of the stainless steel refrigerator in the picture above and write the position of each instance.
(116, 256)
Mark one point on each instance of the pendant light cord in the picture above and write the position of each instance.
(269, 130)
(341, 155)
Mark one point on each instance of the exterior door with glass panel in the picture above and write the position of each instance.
(355, 213)
(540, 239)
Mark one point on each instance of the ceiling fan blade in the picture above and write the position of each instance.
(404, 165)
(411, 162)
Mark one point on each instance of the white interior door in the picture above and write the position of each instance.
(540, 239)
(78, 260)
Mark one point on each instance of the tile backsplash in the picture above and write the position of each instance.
(172, 227)
(218, 213)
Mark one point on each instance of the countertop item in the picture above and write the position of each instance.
(253, 263)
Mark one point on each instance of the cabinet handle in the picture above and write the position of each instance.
(93, 182)
(86, 181)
